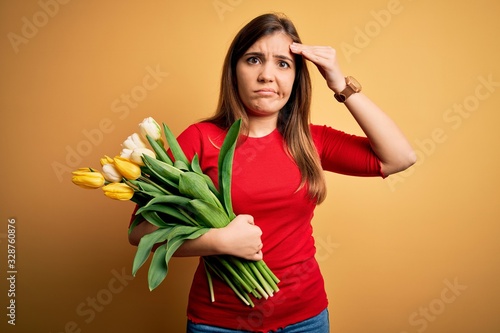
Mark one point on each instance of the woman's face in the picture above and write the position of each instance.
(265, 75)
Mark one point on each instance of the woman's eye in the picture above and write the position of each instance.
(283, 64)
(253, 60)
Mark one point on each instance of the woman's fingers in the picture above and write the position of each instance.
(325, 58)
(243, 238)
(315, 52)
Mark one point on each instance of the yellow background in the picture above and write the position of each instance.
(417, 252)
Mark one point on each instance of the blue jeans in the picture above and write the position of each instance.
(316, 324)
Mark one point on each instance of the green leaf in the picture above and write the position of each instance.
(229, 141)
(171, 211)
(225, 163)
(154, 219)
(158, 268)
(149, 188)
(164, 171)
(195, 166)
(226, 178)
(137, 219)
(159, 264)
(212, 187)
(209, 215)
(175, 148)
(194, 186)
(174, 243)
(166, 199)
(187, 232)
(165, 183)
(181, 165)
(159, 150)
(146, 244)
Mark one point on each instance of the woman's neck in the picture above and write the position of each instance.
(261, 126)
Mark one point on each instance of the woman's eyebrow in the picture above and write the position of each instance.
(283, 57)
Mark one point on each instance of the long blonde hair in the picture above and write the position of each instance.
(294, 117)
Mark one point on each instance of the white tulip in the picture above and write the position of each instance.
(150, 127)
(136, 155)
(111, 174)
(134, 141)
(125, 153)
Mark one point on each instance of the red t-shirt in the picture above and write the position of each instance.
(264, 185)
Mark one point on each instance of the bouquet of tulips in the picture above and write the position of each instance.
(178, 198)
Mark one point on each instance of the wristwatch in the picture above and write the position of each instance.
(352, 87)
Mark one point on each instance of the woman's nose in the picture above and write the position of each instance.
(266, 74)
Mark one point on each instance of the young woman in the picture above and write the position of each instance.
(278, 175)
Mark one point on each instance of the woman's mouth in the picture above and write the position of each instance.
(266, 92)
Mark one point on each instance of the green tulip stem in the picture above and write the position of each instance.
(149, 181)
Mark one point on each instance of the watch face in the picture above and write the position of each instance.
(352, 86)
(353, 83)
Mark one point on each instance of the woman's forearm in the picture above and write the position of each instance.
(240, 238)
(140, 230)
(386, 139)
(201, 246)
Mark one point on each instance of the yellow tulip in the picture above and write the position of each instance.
(128, 169)
(118, 191)
(106, 160)
(87, 178)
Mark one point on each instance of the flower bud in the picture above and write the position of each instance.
(125, 153)
(150, 127)
(136, 155)
(128, 169)
(87, 178)
(133, 141)
(106, 160)
(111, 173)
(118, 191)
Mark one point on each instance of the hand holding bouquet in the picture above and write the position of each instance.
(178, 198)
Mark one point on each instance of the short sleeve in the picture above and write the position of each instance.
(203, 139)
(345, 153)
(190, 141)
